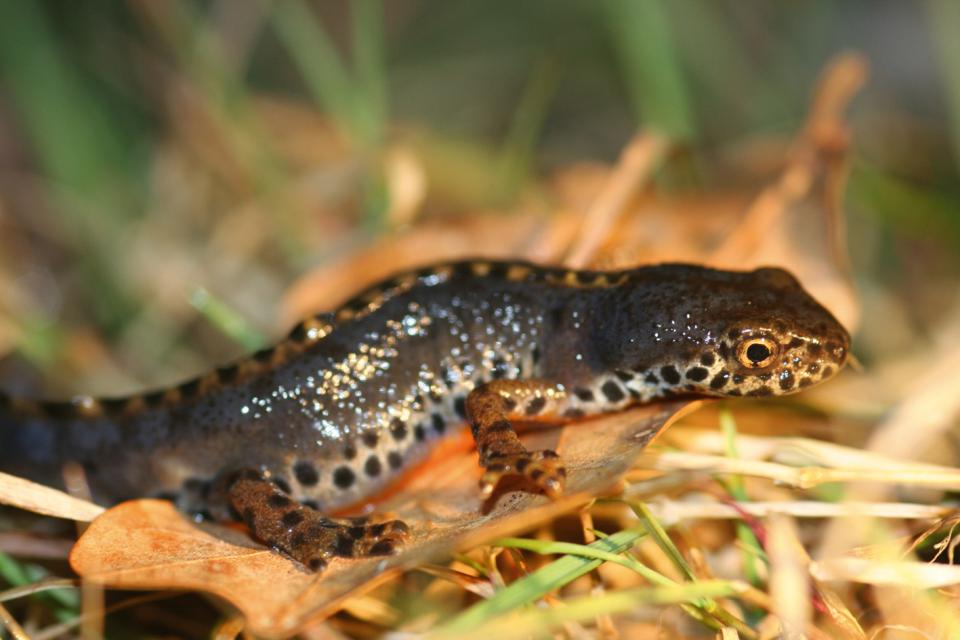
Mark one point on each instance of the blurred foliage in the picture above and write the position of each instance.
(135, 124)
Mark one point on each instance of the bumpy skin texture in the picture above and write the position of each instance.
(354, 397)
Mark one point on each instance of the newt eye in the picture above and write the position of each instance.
(756, 353)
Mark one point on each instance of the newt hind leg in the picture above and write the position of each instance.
(489, 410)
(301, 532)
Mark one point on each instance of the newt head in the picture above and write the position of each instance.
(692, 329)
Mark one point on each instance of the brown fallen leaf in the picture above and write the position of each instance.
(147, 544)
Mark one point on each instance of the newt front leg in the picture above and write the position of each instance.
(490, 407)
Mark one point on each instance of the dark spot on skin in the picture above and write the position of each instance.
(190, 388)
(522, 464)
(291, 519)
(697, 374)
(349, 451)
(447, 376)
(535, 354)
(499, 426)
(734, 392)
(509, 404)
(670, 374)
(805, 382)
(439, 424)
(343, 477)
(498, 270)
(264, 355)
(298, 333)
(760, 391)
(395, 460)
(281, 484)
(786, 381)
(536, 474)
(498, 369)
(459, 405)
(398, 429)
(419, 433)
(370, 438)
(707, 359)
(795, 343)
(316, 564)
(311, 504)
(460, 270)
(343, 546)
(573, 413)
(584, 394)
(720, 380)
(376, 530)
(382, 548)
(306, 473)
(585, 277)
(813, 368)
(279, 500)
(625, 376)
(228, 374)
(764, 377)
(110, 405)
(373, 467)
(814, 349)
(248, 518)
(734, 334)
(827, 372)
(536, 405)
(612, 391)
(651, 378)
(154, 399)
(357, 531)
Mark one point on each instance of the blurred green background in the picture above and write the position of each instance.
(231, 145)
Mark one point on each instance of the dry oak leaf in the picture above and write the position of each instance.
(147, 544)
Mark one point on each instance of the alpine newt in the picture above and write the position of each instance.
(352, 398)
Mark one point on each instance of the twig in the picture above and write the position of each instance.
(637, 161)
(670, 511)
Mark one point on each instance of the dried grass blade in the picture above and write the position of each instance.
(31, 496)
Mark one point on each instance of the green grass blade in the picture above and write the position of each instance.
(944, 21)
(227, 320)
(536, 622)
(370, 97)
(539, 583)
(317, 59)
(519, 145)
(651, 66)
(752, 552)
(709, 607)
